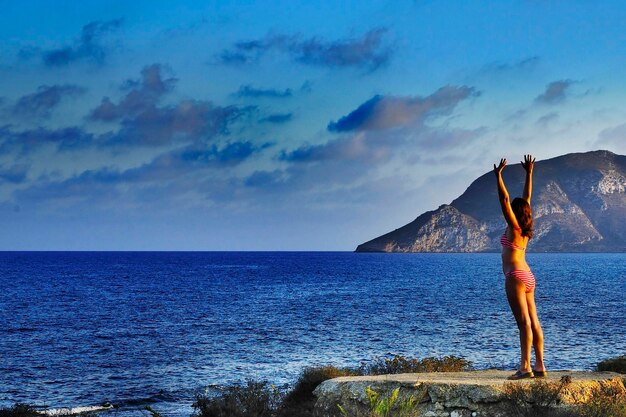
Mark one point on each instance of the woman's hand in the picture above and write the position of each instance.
(529, 163)
(498, 169)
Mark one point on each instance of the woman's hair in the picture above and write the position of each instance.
(524, 215)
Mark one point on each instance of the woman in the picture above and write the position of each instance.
(519, 280)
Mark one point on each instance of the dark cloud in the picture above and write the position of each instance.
(526, 64)
(306, 86)
(185, 167)
(360, 147)
(306, 180)
(188, 120)
(190, 160)
(370, 149)
(367, 52)
(234, 58)
(144, 94)
(547, 119)
(263, 179)
(14, 174)
(277, 118)
(139, 117)
(41, 103)
(249, 91)
(555, 92)
(64, 139)
(144, 122)
(384, 112)
(231, 153)
(87, 47)
(387, 126)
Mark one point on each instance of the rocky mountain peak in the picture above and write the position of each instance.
(579, 205)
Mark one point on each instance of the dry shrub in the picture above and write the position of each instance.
(300, 401)
(606, 401)
(536, 399)
(400, 365)
(255, 399)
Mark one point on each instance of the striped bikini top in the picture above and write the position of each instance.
(504, 241)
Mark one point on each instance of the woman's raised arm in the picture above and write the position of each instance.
(503, 196)
(528, 165)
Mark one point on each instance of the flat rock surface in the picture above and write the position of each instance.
(487, 378)
(458, 393)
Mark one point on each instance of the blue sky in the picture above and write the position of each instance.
(284, 125)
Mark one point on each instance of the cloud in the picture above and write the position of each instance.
(87, 47)
(249, 91)
(160, 182)
(525, 64)
(374, 148)
(15, 174)
(547, 119)
(190, 160)
(614, 137)
(307, 180)
(264, 178)
(385, 112)
(231, 153)
(144, 122)
(145, 94)
(188, 120)
(139, 118)
(555, 92)
(67, 138)
(235, 58)
(359, 147)
(438, 139)
(42, 102)
(387, 126)
(367, 52)
(306, 86)
(278, 118)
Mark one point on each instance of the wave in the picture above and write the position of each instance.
(68, 411)
(131, 403)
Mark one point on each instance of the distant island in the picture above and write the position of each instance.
(579, 205)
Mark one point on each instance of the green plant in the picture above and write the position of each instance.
(381, 406)
(152, 411)
(385, 406)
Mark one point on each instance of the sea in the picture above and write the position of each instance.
(159, 328)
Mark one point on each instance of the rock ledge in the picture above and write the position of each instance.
(452, 394)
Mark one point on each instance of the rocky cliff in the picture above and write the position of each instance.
(579, 205)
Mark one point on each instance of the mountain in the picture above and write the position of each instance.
(578, 202)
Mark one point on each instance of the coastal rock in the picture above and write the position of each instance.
(579, 203)
(461, 394)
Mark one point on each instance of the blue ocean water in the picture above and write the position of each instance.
(81, 329)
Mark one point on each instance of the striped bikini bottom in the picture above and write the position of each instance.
(526, 277)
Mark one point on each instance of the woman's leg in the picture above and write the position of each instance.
(537, 331)
(516, 294)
